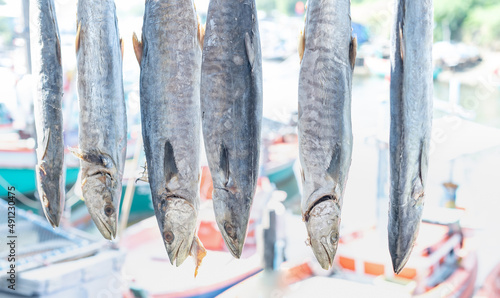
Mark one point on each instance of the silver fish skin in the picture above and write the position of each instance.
(103, 120)
(231, 104)
(324, 125)
(411, 119)
(170, 59)
(47, 73)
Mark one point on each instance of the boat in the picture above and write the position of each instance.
(378, 66)
(17, 165)
(151, 274)
(93, 264)
(443, 264)
(62, 262)
(443, 261)
(17, 169)
(281, 154)
(491, 285)
(272, 283)
(376, 59)
(18, 160)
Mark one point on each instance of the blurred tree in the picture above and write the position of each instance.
(476, 21)
(265, 5)
(6, 31)
(482, 26)
(286, 7)
(449, 15)
(455, 20)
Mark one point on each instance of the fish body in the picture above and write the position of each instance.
(411, 119)
(170, 59)
(231, 104)
(103, 122)
(324, 124)
(47, 72)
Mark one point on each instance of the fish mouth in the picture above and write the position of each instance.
(402, 236)
(52, 217)
(323, 254)
(329, 256)
(51, 213)
(399, 254)
(399, 263)
(106, 230)
(232, 220)
(173, 255)
(177, 221)
(232, 245)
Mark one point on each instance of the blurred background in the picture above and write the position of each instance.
(457, 253)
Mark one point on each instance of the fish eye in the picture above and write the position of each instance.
(229, 229)
(109, 210)
(169, 237)
(334, 237)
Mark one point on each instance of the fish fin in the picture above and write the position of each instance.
(76, 152)
(77, 42)
(169, 166)
(84, 181)
(137, 48)
(401, 43)
(93, 156)
(353, 48)
(42, 168)
(302, 37)
(250, 47)
(224, 163)
(201, 32)
(204, 29)
(144, 175)
(121, 46)
(302, 43)
(58, 49)
(41, 151)
(197, 251)
(424, 162)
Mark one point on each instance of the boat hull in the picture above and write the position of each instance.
(24, 179)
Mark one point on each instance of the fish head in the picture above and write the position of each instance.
(232, 218)
(323, 223)
(177, 219)
(403, 227)
(101, 190)
(51, 193)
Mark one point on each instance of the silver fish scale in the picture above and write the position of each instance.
(47, 71)
(170, 106)
(232, 94)
(103, 120)
(103, 123)
(411, 118)
(231, 102)
(325, 102)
